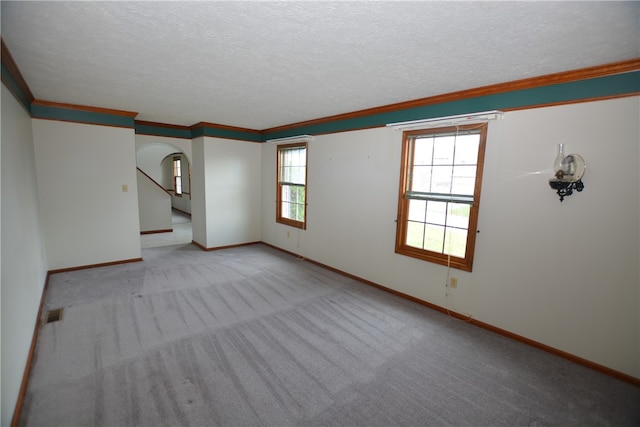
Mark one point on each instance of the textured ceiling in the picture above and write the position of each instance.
(263, 64)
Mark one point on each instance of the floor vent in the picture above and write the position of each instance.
(54, 315)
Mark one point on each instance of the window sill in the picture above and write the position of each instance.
(453, 262)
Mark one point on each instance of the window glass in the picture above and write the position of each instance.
(177, 176)
(292, 177)
(440, 185)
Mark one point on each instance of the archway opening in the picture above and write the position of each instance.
(164, 195)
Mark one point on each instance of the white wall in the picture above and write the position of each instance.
(566, 271)
(88, 218)
(229, 179)
(23, 251)
(154, 205)
(563, 274)
(198, 193)
(182, 203)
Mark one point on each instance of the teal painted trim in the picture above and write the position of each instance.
(143, 129)
(10, 83)
(601, 87)
(80, 116)
(226, 133)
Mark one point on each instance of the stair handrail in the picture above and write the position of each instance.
(153, 180)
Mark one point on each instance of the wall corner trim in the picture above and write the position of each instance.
(17, 412)
(168, 230)
(217, 248)
(103, 264)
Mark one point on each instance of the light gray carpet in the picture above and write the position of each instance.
(252, 336)
(182, 232)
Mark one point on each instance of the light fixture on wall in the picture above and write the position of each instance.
(568, 171)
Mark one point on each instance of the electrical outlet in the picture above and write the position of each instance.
(453, 282)
(288, 234)
(125, 188)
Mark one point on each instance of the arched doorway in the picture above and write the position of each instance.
(164, 194)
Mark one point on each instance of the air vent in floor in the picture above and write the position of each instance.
(54, 315)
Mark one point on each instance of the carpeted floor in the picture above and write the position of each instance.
(182, 232)
(253, 336)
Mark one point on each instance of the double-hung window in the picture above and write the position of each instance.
(292, 185)
(177, 176)
(440, 181)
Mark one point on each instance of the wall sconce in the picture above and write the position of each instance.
(568, 172)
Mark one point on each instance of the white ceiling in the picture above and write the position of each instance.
(264, 64)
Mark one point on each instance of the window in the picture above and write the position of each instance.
(177, 176)
(440, 180)
(291, 186)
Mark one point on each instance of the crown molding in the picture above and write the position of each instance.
(196, 130)
(13, 79)
(582, 85)
(224, 131)
(162, 129)
(499, 88)
(224, 127)
(162, 125)
(90, 109)
(49, 110)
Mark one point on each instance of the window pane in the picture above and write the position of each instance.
(423, 151)
(300, 212)
(439, 164)
(456, 242)
(467, 149)
(297, 194)
(293, 199)
(458, 215)
(464, 180)
(293, 211)
(293, 190)
(299, 157)
(293, 165)
(436, 212)
(177, 176)
(286, 193)
(301, 203)
(415, 234)
(417, 210)
(295, 157)
(286, 210)
(443, 150)
(441, 179)
(434, 238)
(292, 161)
(421, 179)
(297, 174)
(293, 174)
